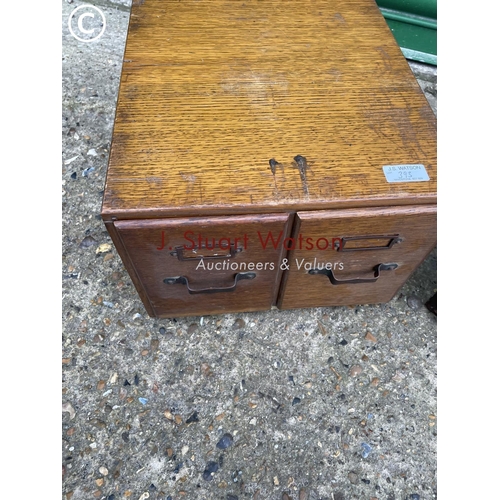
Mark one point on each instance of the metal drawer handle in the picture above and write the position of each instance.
(184, 281)
(393, 239)
(179, 253)
(335, 281)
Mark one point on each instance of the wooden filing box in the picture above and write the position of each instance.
(268, 153)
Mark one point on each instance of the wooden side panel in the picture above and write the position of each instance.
(352, 243)
(201, 259)
(127, 262)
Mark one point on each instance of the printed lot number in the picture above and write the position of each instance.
(405, 173)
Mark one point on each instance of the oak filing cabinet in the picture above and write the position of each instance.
(268, 153)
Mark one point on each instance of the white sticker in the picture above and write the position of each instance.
(405, 173)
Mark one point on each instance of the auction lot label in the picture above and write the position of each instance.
(405, 173)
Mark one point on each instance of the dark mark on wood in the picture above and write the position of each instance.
(272, 164)
(302, 166)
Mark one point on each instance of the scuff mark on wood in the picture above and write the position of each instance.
(153, 181)
(339, 18)
(188, 177)
(302, 166)
(272, 164)
(386, 58)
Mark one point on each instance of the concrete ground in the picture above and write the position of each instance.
(325, 403)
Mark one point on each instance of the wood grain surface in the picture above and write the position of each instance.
(263, 106)
(415, 225)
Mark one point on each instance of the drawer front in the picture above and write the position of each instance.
(349, 257)
(197, 266)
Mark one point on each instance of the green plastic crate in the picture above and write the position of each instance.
(414, 25)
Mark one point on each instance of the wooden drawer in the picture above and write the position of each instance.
(195, 266)
(345, 257)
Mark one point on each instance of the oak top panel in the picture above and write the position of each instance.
(212, 90)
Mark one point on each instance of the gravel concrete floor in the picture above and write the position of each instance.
(325, 403)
